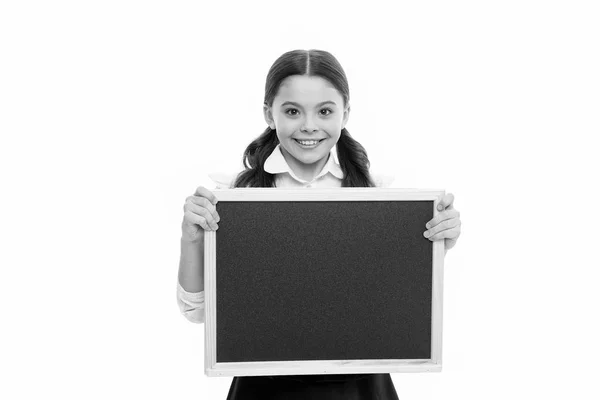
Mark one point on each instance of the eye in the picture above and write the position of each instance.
(291, 111)
(326, 111)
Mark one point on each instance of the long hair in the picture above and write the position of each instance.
(351, 154)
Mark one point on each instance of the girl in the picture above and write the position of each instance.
(305, 145)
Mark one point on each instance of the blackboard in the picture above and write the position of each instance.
(322, 281)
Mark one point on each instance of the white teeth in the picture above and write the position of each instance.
(308, 142)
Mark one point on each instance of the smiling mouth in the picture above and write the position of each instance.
(309, 142)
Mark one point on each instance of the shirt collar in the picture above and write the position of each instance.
(276, 164)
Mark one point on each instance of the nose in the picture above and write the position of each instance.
(309, 125)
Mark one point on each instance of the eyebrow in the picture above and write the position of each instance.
(291, 103)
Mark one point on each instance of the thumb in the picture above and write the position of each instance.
(445, 202)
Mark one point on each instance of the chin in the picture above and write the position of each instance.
(307, 156)
(310, 157)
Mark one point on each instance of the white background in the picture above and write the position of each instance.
(112, 112)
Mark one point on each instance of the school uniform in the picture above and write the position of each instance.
(292, 387)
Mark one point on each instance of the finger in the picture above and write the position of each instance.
(442, 226)
(453, 233)
(192, 218)
(196, 202)
(443, 216)
(204, 202)
(203, 212)
(204, 192)
(446, 202)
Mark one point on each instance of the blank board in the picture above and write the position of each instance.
(323, 281)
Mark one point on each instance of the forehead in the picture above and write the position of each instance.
(307, 89)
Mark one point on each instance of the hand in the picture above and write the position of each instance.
(200, 214)
(445, 225)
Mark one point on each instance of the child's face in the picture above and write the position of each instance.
(309, 115)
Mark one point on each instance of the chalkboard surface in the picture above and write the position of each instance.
(305, 281)
(323, 281)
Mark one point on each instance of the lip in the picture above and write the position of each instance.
(310, 139)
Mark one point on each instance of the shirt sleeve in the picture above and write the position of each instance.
(191, 305)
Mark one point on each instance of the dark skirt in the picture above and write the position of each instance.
(314, 387)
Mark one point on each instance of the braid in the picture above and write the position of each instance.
(354, 162)
(254, 159)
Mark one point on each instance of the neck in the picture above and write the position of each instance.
(304, 171)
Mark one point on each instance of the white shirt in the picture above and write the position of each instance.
(190, 304)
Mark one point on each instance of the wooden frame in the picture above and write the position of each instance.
(213, 368)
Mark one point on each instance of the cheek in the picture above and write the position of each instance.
(286, 126)
(333, 127)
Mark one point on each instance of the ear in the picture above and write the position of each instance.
(346, 116)
(268, 116)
